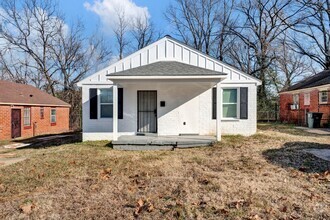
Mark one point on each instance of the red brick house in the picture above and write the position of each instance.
(25, 111)
(309, 95)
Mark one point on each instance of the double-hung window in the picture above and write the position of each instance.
(53, 116)
(324, 97)
(296, 99)
(27, 117)
(106, 103)
(229, 106)
(307, 98)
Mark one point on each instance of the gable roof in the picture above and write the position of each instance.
(21, 94)
(167, 68)
(169, 49)
(320, 79)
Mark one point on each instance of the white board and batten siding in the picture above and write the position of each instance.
(169, 49)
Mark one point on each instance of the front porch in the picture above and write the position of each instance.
(154, 142)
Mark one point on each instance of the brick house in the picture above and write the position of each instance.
(25, 111)
(309, 95)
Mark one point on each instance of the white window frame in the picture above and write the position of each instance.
(26, 117)
(100, 104)
(293, 98)
(321, 95)
(238, 101)
(51, 116)
(307, 98)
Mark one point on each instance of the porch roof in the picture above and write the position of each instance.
(167, 69)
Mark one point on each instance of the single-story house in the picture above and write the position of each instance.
(309, 95)
(25, 111)
(168, 88)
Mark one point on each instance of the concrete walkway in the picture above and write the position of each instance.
(320, 131)
(320, 153)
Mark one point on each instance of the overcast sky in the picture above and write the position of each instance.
(100, 13)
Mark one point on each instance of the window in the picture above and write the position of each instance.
(229, 106)
(307, 98)
(324, 97)
(106, 103)
(27, 117)
(296, 99)
(42, 113)
(53, 116)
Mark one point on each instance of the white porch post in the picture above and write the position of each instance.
(115, 113)
(219, 110)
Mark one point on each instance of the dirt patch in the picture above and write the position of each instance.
(239, 178)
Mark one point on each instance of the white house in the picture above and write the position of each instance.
(168, 88)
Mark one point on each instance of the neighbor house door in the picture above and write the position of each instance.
(147, 111)
(15, 123)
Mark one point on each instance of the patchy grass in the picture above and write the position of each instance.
(264, 176)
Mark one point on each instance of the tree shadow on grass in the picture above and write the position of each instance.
(293, 155)
(51, 140)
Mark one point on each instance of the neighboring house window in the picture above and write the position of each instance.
(42, 113)
(229, 106)
(324, 97)
(53, 116)
(307, 98)
(296, 99)
(106, 103)
(27, 117)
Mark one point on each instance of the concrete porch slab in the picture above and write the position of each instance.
(159, 142)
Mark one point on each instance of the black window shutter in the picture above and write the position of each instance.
(120, 103)
(93, 103)
(214, 103)
(244, 103)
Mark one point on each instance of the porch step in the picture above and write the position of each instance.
(142, 147)
(158, 144)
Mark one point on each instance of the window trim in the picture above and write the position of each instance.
(100, 104)
(320, 96)
(309, 98)
(42, 113)
(25, 125)
(293, 98)
(53, 123)
(238, 101)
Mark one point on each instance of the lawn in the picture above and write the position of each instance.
(266, 176)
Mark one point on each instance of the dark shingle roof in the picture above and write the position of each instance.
(16, 93)
(319, 79)
(167, 68)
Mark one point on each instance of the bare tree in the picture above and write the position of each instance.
(30, 31)
(313, 33)
(289, 66)
(262, 23)
(143, 31)
(121, 32)
(195, 21)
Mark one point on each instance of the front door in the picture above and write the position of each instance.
(147, 111)
(15, 123)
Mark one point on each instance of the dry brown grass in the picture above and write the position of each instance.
(265, 176)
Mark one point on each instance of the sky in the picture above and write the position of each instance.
(98, 14)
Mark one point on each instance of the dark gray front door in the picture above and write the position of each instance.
(147, 111)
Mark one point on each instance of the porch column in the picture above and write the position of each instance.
(115, 112)
(219, 110)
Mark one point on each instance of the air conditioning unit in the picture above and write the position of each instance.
(294, 107)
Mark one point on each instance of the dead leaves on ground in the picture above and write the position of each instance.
(27, 208)
(143, 205)
(105, 173)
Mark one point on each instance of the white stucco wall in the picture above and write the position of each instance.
(185, 102)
